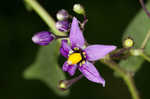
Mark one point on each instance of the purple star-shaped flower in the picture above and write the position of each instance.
(80, 57)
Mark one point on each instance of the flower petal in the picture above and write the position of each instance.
(65, 66)
(95, 52)
(76, 35)
(91, 73)
(65, 48)
(72, 69)
(69, 68)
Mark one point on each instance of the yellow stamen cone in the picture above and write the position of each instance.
(74, 58)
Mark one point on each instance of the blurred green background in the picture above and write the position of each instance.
(107, 21)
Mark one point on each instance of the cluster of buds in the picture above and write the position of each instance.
(63, 16)
(63, 25)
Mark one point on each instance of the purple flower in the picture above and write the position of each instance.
(43, 38)
(80, 57)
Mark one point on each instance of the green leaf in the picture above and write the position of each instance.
(46, 69)
(137, 29)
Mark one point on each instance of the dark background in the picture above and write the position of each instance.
(107, 22)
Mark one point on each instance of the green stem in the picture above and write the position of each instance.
(145, 56)
(127, 77)
(145, 40)
(44, 15)
(145, 9)
(131, 85)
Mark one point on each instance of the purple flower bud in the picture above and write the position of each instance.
(62, 15)
(43, 38)
(63, 26)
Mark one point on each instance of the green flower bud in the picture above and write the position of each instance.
(64, 85)
(128, 42)
(78, 8)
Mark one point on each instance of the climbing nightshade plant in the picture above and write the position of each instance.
(82, 55)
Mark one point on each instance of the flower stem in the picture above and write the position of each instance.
(127, 77)
(143, 46)
(44, 15)
(65, 84)
(145, 56)
(145, 40)
(131, 85)
(145, 9)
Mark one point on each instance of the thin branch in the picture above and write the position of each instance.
(145, 9)
(145, 56)
(145, 40)
(44, 15)
(127, 77)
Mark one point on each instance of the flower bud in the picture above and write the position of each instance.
(128, 42)
(78, 8)
(63, 26)
(62, 15)
(43, 38)
(64, 85)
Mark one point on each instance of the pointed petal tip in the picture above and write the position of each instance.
(76, 36)
(114, 47)
(74, 18)
(111, 47)
(91, 73)
(103, 83)
(72, 69)
(95, 52)
(70, 73)
(65, 67)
